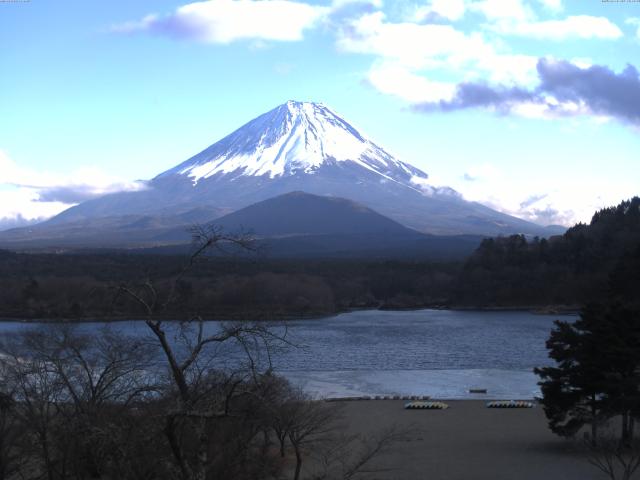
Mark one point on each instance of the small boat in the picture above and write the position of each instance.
(426, 406)
(510, 404)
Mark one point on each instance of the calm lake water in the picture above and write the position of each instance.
(426, 352)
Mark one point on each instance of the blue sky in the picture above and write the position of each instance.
(529, 106)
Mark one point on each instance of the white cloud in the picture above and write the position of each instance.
(483, 172)
(582, 62)
(15, 222)
(430, 46)
(514, 17)
(34, 194)
(553, 5)
(226, 21)
(420, 62)
(493, 10)
(634, 21)
(564, 206)
(394, 79)
(411, 44)
(449, 9)
(502, 9)
(342, 3)
(554, 109)
(22, 203)
(416, 62)
(549, 201)
(509, 69)
(577, 26)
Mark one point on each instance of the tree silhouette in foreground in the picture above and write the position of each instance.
(597, 376)
(197, 401)
(616, 461)
(597, 372)
(188, 400)
(201, 404)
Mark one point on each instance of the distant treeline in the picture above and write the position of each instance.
(84, 286)
(503, 272)
(572, 269)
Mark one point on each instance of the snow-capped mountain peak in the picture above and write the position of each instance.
(296, 147)
(295, 138)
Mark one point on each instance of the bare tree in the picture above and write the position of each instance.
(70, 389)
(39, 394)
(277, 399)
(352, 456)
(310, 424)
(190, 400)
(314, 428)
(95, 369)
(197, 404)
(617, 459)
(10, 458)
(100, 375)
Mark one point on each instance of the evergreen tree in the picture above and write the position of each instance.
(597, 372)
(618, 330)
(573, 390)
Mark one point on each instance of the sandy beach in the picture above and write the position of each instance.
(469, 441)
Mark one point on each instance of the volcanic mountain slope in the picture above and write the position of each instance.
(300, 224)
(297, 146)
(293, 225)
(300, 213)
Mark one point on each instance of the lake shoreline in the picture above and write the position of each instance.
(280, 317)
(439, 353)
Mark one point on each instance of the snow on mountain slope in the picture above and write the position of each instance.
(297, 146)
(294, 138)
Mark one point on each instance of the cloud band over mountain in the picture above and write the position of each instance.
(28, 195)
(565, 89)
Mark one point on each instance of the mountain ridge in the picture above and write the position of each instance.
(298, 146)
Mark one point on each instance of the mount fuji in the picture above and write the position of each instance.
(298, 146)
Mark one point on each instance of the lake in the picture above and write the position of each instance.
(442, 353)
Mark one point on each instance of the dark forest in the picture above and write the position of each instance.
(561, 272)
